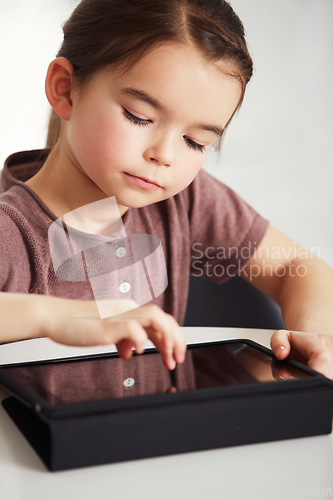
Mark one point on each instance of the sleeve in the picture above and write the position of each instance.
(224, 229)
(15, 269)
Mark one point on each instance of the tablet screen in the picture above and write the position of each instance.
(208, 365)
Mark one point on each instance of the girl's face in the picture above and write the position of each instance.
(143, 136)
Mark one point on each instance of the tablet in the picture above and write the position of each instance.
(50, 386)
(225, 393)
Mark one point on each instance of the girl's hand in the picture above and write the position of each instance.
(75, 323)
(161, 328)
(312, 349)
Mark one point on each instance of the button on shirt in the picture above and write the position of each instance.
(130, 267)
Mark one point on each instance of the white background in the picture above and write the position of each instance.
(277, 152)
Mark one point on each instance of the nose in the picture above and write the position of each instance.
(161, 150)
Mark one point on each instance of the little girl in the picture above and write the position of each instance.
(140, 92)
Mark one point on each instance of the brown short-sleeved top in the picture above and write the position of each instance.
(206, 230)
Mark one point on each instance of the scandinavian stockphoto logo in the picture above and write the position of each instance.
(226, 262)
(90, 244)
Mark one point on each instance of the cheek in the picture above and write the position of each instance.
(185, 172)
(193, 165)
(108, 139)
(100, 136)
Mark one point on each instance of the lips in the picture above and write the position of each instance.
(146, 180)
(142, 182)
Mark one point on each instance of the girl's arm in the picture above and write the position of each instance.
(302, 284)
(75, 322)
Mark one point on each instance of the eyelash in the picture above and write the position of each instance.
(135, 119)
(143, 123)
(194, 145)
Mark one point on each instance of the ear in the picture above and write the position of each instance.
(58, 86)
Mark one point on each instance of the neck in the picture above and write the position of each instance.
(63, 186)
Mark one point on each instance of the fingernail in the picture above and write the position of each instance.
(172, 364)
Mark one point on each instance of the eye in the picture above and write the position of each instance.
(135, 119)
(194, 145)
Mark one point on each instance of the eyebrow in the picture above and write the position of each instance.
(143, 96)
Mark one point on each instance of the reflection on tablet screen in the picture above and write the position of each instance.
(76, 381)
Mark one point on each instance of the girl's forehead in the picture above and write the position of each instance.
(180, 61)
(178, 77)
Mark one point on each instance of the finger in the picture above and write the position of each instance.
(166, 351)
(280, 344)
(163, 331)
(309, 346)
(170, 335)
(167, 336)
(126, 335)
(313, 350)
(321, 361)
(326, 361)
(125, 349)
(180, 345)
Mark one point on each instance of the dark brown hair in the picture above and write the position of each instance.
(106, 33)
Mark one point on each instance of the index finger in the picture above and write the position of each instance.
(164, 331)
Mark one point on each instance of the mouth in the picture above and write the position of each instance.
(142, 183)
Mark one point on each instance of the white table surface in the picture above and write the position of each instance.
(296, 468)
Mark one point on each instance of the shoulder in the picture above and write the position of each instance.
(14, 256)
(19, 207)
(219, 217)
(206, 191)
(210, 201)
(11, 217)
(21, 244)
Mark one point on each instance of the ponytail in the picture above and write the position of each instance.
(53, 130)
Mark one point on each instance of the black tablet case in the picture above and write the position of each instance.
(101, 432)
